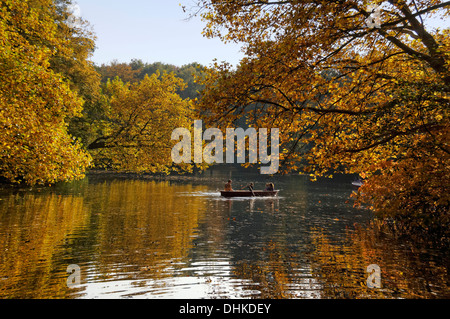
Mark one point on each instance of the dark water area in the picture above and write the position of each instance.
(143, 238)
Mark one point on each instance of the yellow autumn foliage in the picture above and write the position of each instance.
(34, 100)
(139, 120)
(58, 120)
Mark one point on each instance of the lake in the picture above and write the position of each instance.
(133, 237)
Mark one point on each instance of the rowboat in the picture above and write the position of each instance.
(247, 193)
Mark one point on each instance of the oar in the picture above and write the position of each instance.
(253, 194)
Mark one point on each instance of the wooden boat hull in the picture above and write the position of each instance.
(244, 193)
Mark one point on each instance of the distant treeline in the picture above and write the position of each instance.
(136, 70)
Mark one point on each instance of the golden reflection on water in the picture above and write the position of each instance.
(148, 224)
(278, 276)
(32, 227)
(140, 238)
(117, 227)
(406, 270)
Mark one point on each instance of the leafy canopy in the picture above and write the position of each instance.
(347, 97)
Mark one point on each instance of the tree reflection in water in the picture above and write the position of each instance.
(142, 238)
(408, 270)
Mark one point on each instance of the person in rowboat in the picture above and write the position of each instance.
(228, 186)
(269, 187)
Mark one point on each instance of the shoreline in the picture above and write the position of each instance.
(151, 176)
(98, 174)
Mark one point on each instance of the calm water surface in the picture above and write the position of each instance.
(138, 238)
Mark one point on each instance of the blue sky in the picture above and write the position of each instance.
(153, 31)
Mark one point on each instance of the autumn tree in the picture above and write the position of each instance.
(131, 125)
(137, 124)
(78, 69)
(36, 100)
(354, 86)
(76, 66)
